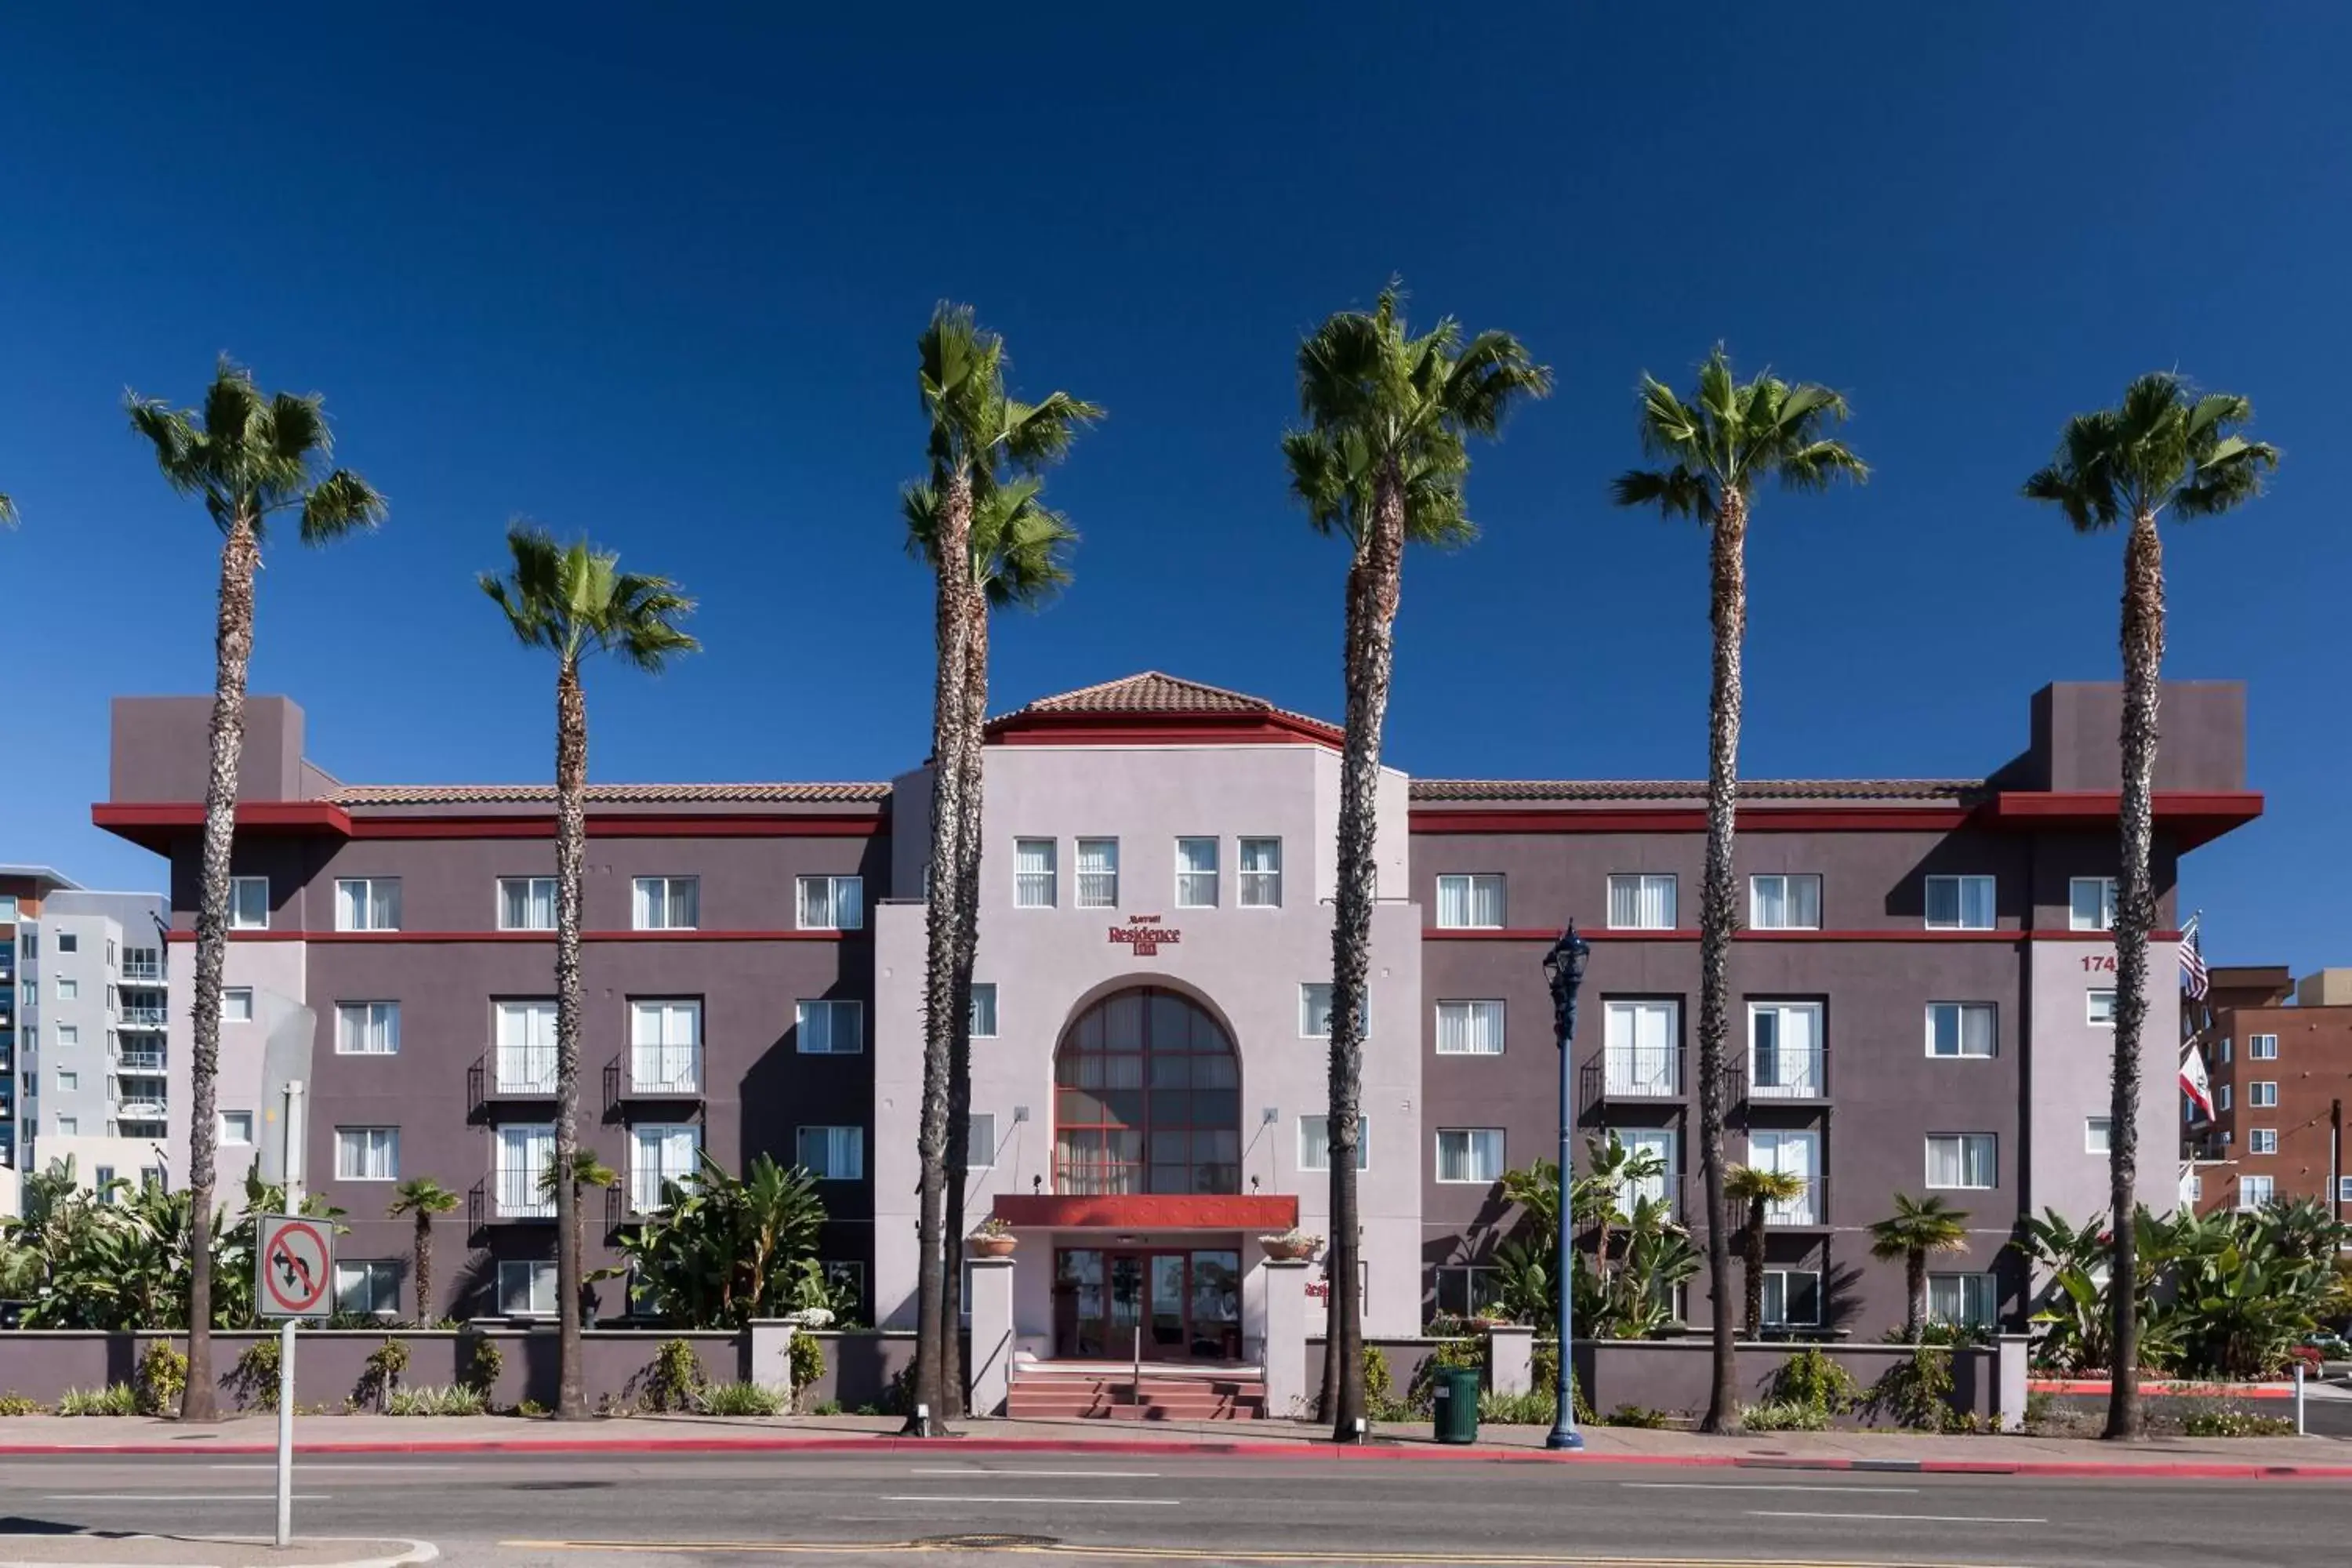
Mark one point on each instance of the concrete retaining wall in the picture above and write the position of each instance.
(1676, 1374)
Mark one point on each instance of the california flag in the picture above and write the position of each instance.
(2194, 1085)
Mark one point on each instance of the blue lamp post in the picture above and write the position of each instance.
(1564, 971)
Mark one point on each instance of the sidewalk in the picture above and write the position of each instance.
(2213, 1458)
(104, 1549)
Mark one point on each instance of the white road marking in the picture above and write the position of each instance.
(1072, 1502)
(1105, 1475)
(1905, 1518)
(313, 1464)
(181, 1497)
(1751, 1486)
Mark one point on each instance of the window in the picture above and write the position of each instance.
(833, 1153)
(1196, 873)
(68, 942)
(235, 1126)
(248, 903)
(526, 1153)
(68, 1082)
(68, 1126)
(983, 1010)
(2097, 1134)
(1469, 1028)
(665, 1046)
(1473, 1155)
(1785, 901)
(102, 1181)
(1961, 1028)
(1470, 902)
(2253, 1192)
(367, 1286)
(1315, 1142)
(832, 903)
(2091, 904)
(68, 988)
(2262, 1095)
(7, 908)
(1261, 864)
(2344, 1189)
(1097, 873)
(1969, 1299)
(980, 1142)
(845, 1277)
(667, 903)
(1959, 903)
(1785, 1060)
(1467, 1289)
(2099, 1009)
(832, 1028)
(2262, 1047)
(2225, 1051)
(1641, 900)
(1793, 1154)
(2195, 1188)
(1315, 1010)
(367, 1153)
(1960, 1160)
(526, 1287)
(2223, 1102)
(367, 904)
(1792, 1296)
(367, 1028)
(2261, 1141)
(526, 1048)
(526, 903)
(1663, 1187)
(237, 1004)
(68, 1035)
(1032, 873)
(659, 1158)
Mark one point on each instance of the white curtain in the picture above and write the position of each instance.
(834, 1153)
(369, 1028)
(1642, 902)
(1786, 1039)
(1658, 1140)
(1098, 872)
(832, 1028)
(367, 1153)
(526, 1047)
(528, 904)
(1196, 873)
(1469, 901)
(1793, 1154)
(364, 904)
(1032, 873)
(1961, 1028)
(1786, 903)
(525, 1154)
(664, 1155)
(1261, 864)
(1470, 1154)
(666, 1043)
(1963, 1160)
(1470, 1029)
(1641, 1051)
(983, 1010)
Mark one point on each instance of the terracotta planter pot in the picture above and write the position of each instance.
(991, 1246)
(1287, 1251)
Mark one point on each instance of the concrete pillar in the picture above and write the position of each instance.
(2009, 1405)
(1284, 1355)
(771, 1355)
(991, 1371)
(1510, 1358)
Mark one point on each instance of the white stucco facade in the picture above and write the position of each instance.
(2071, 1066)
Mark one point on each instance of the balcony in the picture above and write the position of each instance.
(508, 1193)
(142, 1018)
(140, 1111)
(641, 1193)
(510, 1073)
(142, 972)
(1807, 1211)
(139, 1061)
(1630, 1072)
(654, 1072)
(1784, 1075)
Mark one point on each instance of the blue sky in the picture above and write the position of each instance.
(658, 279)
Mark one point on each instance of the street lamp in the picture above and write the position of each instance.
(1563, 969)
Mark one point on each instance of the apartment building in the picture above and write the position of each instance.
(2278, 1058)
(1922, 999)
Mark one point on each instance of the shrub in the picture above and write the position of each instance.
(1536, 1407)
(14, 1404)
(2232, 1422)
(161, 1378)
(829, 1407)
(454, 1400)
(738, 1399)
(114, 1399)
(483, 1367)
(1782, 1415)
(1810, 1378)
(807, 1362)
(1638, 1415)
(380, 1377)
(673, 1378)
(530, 1407)
(1917, 1392)
(254, 1379)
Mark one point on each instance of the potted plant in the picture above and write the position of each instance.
(994, 1238)
(1291, 1245)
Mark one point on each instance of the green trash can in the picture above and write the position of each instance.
(1456, 1403)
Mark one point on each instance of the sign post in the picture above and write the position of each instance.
(295, 1268)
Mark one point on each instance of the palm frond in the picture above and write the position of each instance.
(1731, 437)
(339, 504)
(7, 512)
(250, 455)
(2163, 446)
(178, 443)
(573, 599)
(1678, 491)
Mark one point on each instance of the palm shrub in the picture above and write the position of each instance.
(162, 1378)
(1756, 1190)
(1917, 1229)
(725, 1250)
(1715, 452)
(421, 1197)
(2162, 449)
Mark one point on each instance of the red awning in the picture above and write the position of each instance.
(1148, 1210)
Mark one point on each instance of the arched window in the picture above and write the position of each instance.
(1146, 1098)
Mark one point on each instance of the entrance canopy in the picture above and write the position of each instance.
(1148, 1210)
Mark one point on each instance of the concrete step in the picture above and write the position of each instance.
(1064, 1396)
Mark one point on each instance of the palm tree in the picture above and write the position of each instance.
(979, 438)
(423, 1197)
(587, 1172)
(251, 457)
(1915, 1229)
(1600, 1196)
(1757, 1189)
(1382, 461)
(575, 600)
(1716, 451)
(7, 512)
(2164, 447)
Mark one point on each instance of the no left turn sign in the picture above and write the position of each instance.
(296, 1266)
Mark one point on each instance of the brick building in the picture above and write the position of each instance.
(2278, 1055)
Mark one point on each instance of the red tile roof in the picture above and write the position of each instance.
(612, 795)
(1898, 791)
(1153, 693)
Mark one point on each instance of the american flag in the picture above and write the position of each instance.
(2193, 978)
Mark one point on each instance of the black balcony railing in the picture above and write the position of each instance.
(1784, 1074)
(653, 1073)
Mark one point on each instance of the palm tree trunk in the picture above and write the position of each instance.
(1915, 1282)
(2143, 651)
(1727, 610)
(967, 851)
(1374, 585)
(570, 853)
(944, 904)
(1753, 1249)
(424, 1269)
(232, 652)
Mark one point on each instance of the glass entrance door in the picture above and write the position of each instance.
(1185, 1304)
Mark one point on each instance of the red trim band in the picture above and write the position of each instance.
(1691, 933)
(1161, 730)
(395, 937)
(1150, 1211)
(154, 825)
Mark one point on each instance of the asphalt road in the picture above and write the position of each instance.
(571, 1512)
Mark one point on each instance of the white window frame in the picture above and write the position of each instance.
(2344, 1189)
(834, 1009)
(1471, 1009)
(1629, 1068)
(227, 1125)
(1986, 1288)
(979, 1140)
(2261, 1094)
(1469, 886)
(367, 904)
(68, 988)
(65, 1036)
(1469, 1274)
(2261, 1048)
(1777, 1279)
(660, 1064)
(2261, 1141)
(1027, 886)
(2223, 1059)
(2221, 1101)
(1090, 893)
(244, 893)
(372, 1139)
(2099, 1134)
(984, 1022)
(1261, 887)
(539, 1284)
(1314, 1008)
(829, 1129)
(1960, 885)
(1791, 882)
(2102, 891)
(523, 1029)
(366, 1022)
(67, 1126)
(69, 1080)
(530, 886)
(1189, 878)
(827, 913)
(231, 1011)
(2249, 1185)
(650, 1144)
(1960, 1013)
(1323, 1121)
(1966, 1140)
(1810, 1080)
(381, 1278)
(2099, 1014)
(1501, 1142)
(520, 1197)
(1640, 885)
(652, 911)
